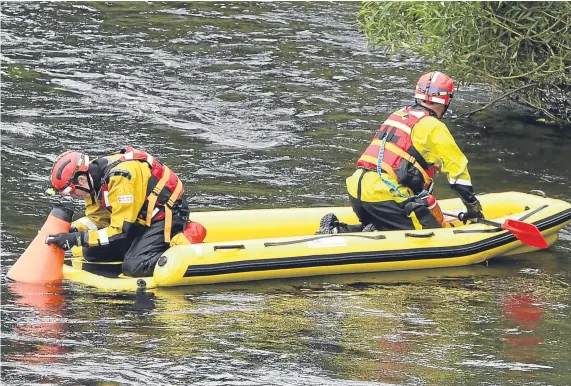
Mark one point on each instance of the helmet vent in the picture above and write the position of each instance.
(61, 168)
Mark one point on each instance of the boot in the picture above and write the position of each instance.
(330, 224)
(369, 228)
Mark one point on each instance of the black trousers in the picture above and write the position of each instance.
(142, 247)
(389, 215)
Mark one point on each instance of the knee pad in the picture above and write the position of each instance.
(417, 206)
(423, 213)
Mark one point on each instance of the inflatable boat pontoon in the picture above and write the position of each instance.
(248, 245)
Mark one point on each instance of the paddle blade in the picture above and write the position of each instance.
(526, 233)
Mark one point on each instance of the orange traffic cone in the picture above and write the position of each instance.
(42, 263)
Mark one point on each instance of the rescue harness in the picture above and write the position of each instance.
(163, 189)
(392, 151)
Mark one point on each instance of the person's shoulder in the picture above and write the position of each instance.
(430, 122)
(125, 169)
(129, 163)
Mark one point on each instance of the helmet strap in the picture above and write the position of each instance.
(422, 106)
(82, 189)
(91, 189)
(445, 110)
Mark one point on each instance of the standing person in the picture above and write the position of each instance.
(391, 188)
(134, 205)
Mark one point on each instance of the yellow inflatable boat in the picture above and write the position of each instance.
(247, 245)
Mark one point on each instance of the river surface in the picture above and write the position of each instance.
(261, 105)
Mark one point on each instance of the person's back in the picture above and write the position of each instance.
(117, 195)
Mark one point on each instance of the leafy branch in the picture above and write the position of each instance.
(522, 48)
(497, 99)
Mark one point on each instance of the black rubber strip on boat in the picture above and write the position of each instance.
(489, 230)
(276, 244)
(368, 257)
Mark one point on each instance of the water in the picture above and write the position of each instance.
(260, 105)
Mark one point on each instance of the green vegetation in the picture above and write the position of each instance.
(521, 48)
(232, 97)
(19, 71)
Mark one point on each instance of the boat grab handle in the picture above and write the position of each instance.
(236, 246)
(538, 192)
(420, 235)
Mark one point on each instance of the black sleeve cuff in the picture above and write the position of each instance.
(466, 193)
(84, 238)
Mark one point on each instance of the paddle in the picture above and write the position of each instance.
(525, 232)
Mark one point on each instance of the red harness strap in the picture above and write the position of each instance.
(163, 178)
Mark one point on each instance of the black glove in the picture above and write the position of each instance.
(66, 240)
(473, 211)
(73, 229)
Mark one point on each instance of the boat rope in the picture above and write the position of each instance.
(392, 186)
(276, 244)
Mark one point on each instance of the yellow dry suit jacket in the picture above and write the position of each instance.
(127, 192)
(433, 140)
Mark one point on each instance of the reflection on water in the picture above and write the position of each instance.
(259, 105)
(36, 341)
(525, 312)
(434, 325)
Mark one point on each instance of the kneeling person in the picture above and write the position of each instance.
(392, 185)
(134, 205)
(391, 188)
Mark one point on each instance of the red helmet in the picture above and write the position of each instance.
(66, 168)
(435, 87)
